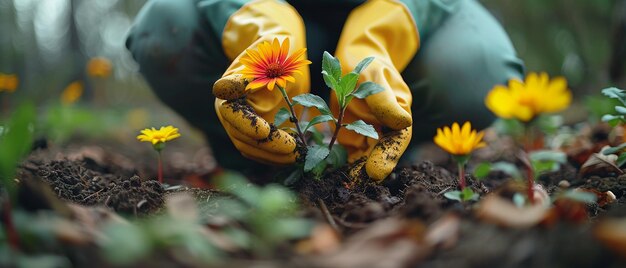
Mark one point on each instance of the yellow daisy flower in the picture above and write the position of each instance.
(524, 100)
(269, 65)
(162, 135)
(459, 141)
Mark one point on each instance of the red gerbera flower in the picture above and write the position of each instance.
(269, 65)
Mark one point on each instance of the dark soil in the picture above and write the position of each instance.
(86, 183)
(411, 192)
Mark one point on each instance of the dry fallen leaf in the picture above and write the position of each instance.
(386, 243)
(444, 233)
(503, 212)
(323, 240)
(599, 164)
(182, 206)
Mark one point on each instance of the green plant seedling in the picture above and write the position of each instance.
(617, 117)
(319, 155)
(462, 196)
(269, 214)
(482, 170)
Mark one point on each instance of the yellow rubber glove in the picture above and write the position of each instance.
(384, 29)
(246, 120)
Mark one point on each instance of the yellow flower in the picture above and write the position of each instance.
(161, 135)
(72, 93)
(525, 100)
(99, 67)
(269, 65)
(8, 82)
(459, 141)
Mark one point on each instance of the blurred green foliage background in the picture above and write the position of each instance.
(48, 43)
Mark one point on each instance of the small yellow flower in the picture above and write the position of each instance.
(72, 93)
(270, 65)
(99, 67)
(459, 141)
(8, 82)
(162, 135)
(525, 100)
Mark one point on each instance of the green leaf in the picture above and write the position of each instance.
(330, 81)
(615, 93)
(507, 168)
(236, 184)
(548, 155)
(510, 127)
(550, 124)
(366, 89)
(314, 156)
(620, 109)
(546, 161)
(545, 166)
(613, 120)
(580, 196)
(310, 100)
(281, 116)
(347, 84)
(467, 194)
(15, 142)
(599, 106)
(292, 228)
(331, 65)
(363, 64)
(318, 119)
(318, 170)
(338, 156)
(614, 150)
(275, 199)
(125, 243)
(462, 196)
(363, 128)
(453, 195)
(482, 170)
(621, 160)
(318, 137)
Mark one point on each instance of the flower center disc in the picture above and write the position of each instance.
(274, 70)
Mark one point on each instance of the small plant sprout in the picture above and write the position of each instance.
(158, 138)
(525, 102)
(345, 88)
(270, 67)
(615, 119)
(8, 84)
(459, 142)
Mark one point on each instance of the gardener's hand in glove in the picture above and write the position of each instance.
(383, 29)
(245, 115)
